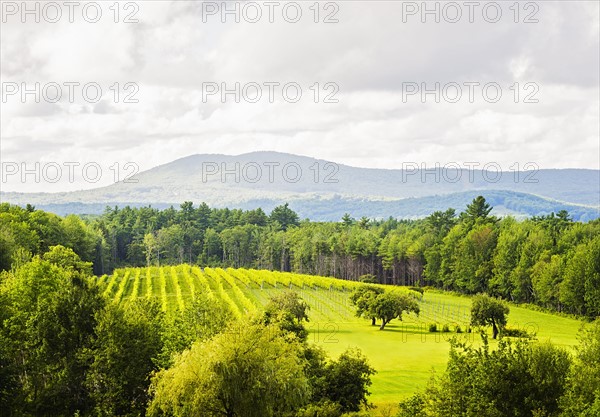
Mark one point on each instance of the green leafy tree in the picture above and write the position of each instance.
(546, 277)
(390, 305)
(250, 370)
(49, 311)
(284, 217)
(507, 252)
(289, 311)
(66, 258)
(127, 343)
(363, 299)
(514, 379)
(592, 278)
(582, 398)
(440, 222)
(473, 262)
(347, 220)
(256, 217)
(346, 381)
(324, 408)
(414, 406)
(212, 249)
(171, 243)
(488, 311)
(151, 249)
(478, 210)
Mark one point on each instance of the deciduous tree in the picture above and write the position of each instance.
(488, 311)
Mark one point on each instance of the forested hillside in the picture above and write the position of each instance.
(550, 260)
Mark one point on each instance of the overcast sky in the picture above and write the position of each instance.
(373, 57)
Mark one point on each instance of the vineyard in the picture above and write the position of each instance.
(248, 290)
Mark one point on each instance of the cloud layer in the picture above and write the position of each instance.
(374, 56)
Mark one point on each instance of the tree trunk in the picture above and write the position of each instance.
(494, 330)
(383, 323)
(373, 319)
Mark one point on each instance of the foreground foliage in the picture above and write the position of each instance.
(514, 379)
(249, 370)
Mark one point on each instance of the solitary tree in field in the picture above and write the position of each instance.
(391, 305)
(363, 298)
(488, 311)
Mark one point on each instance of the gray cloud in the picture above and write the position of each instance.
(370, 53)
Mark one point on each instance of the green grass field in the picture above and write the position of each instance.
(404, 354)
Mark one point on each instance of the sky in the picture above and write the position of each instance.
(365, 83)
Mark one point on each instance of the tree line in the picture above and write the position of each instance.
(547, 260)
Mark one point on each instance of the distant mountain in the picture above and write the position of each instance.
(324, 190)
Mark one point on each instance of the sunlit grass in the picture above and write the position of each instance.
(404, 354)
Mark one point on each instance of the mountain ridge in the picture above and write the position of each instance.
(237, 180)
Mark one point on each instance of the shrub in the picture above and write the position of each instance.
(458, 329)
(515, 332)
(445, 328)
(432, 328)
(417, 289)
(322, 409)
(415, 295)
(412, 407)
(368, 278)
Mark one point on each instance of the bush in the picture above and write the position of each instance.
(509, 379)
(445, 328)
(368, 279)
(415, 295)
(322, 409)
(412, 407)
(514, 332)
(432, 328)
(417, 289)
(458, 329)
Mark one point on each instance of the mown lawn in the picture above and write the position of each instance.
(405, 353)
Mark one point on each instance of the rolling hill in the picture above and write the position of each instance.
(324, 190)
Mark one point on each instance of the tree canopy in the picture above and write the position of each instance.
(488, 311)
(515, 379)
(249, 370)
(374, 303)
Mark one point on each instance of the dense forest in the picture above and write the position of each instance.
(551, 260)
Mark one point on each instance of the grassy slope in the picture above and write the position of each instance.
(404, 354)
